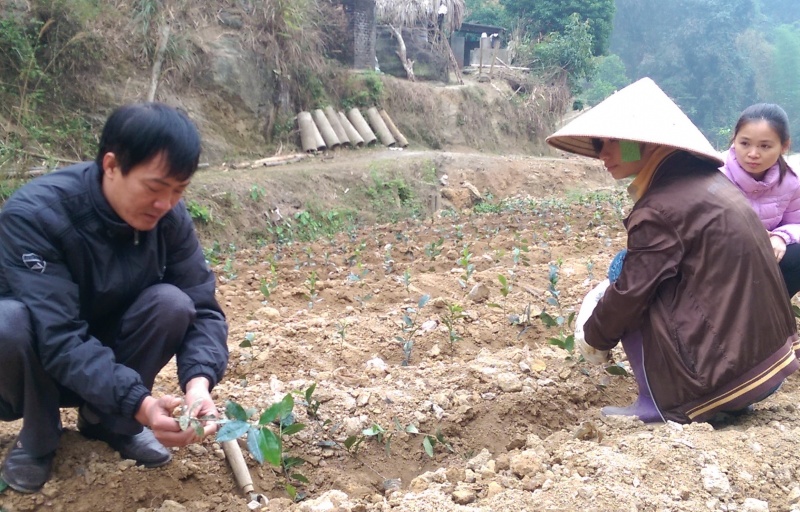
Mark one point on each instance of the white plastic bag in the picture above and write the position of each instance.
(588, 352)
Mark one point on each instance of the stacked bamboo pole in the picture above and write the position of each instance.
(326, 128)
(355, 117)
(401, 140)
(380, 128)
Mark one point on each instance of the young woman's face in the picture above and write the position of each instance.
(758, 147)
(611, 155)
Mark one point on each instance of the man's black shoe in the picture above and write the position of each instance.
(143, 447)
(25, 473)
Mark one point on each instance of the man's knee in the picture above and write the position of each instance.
(16, 332)
(169, 301)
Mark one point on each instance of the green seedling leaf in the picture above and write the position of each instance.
(374, 430)
(552, 301)
(494, 305)
(427, 445)
(198, 429)
(291, 491)
(423, 300)
(310, 392)
(290, 462)
(235, 411)
(232, 430)
(285, 421)
(615, 369)
(184, 421)
(264, 445)
(548, 320)
(503, 280)
(796, 310)
(293, 429)
(280, 410)
(246, 343)
(3, 485)
(569, 343)
(300, 478)
(350, 441)
(412, 429)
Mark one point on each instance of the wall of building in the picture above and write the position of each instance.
(361, 26)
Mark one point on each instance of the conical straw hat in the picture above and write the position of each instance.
(641, 112)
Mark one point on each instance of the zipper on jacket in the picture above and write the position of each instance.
(135, 237)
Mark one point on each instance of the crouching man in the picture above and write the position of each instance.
(102, 281)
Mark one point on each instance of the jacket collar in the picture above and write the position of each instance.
(114, 225)
(745, 180)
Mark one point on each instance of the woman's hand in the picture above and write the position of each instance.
(778, 246)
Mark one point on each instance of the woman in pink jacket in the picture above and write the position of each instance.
(756, 165)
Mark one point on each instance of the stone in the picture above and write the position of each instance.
(509, 382)
(527, 463)
(464, 496)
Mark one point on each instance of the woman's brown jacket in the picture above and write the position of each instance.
(701, 282)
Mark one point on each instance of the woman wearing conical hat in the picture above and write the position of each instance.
(699, 303)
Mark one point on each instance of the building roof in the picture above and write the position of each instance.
(478, 28)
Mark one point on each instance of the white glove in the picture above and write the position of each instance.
(588, 352)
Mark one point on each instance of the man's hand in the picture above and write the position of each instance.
(157, 413)
(778, 246)
(197, 390)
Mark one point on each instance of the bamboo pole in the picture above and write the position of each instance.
(333, 119)
(355, 138)
(308, 138)
(355, 117)
(401, 140)
(325, 129)
(380, 128)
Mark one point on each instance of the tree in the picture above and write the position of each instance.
(487, 12)
(610, 77)
(406, 13)
(570, 51)
(689, 48)
(547, 16)
(785, 72)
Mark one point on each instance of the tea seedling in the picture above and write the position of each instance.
(311, 288)
(410, 328)
(257, 192)
(407, 279)
(453, 314)
(564, 324)
(268, 286)
(384, 436)
(249, 338)
(434, 249)
(469, 268)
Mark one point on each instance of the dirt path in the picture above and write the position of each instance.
(519, 413)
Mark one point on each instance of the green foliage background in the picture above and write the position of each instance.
(713, 57)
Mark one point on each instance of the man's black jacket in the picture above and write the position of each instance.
(77, 266)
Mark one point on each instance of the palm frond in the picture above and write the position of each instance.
(412, 12)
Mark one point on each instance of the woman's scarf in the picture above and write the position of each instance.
(642, 181)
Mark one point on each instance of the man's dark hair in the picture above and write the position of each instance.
(137, 132)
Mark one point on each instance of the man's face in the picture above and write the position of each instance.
(144, 195)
